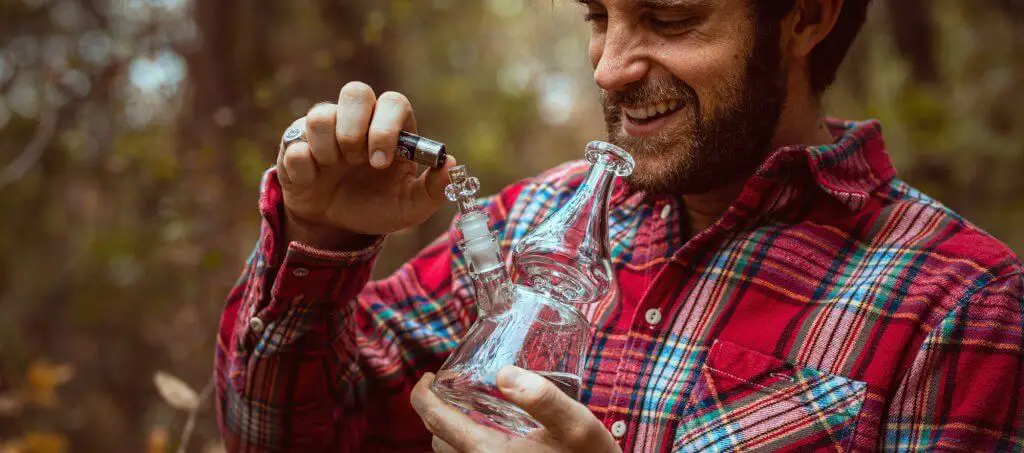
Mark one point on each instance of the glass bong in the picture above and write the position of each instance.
(531, 320)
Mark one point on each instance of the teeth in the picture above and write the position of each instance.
(635, 113)
(647, 111)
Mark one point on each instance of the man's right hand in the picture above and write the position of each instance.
(345, 186)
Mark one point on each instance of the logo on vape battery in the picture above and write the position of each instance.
(404, 153)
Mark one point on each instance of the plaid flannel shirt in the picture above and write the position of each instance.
(832, 307)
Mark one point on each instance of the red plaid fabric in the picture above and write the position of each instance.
(833, 307)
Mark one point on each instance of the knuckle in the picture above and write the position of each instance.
(297, 122)
(433, 420)
(357, 92)
(547, 396)
(349, 139)
(418, 392)
(384, 131)
(294, 154)
(579, 434)
(394, 98)
(321, 117)
(437, 444)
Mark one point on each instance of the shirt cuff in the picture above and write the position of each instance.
(303, 274)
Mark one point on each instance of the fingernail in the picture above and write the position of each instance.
(508, 377)
(378, 158)
(515, 378)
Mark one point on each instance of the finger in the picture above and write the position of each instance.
(444, 421)
(391, 115)
(440, 446)
(563, 417)
(355, 108)
(282, 173)
(320, 126)
(426, 193)
(436, 179)
(299, 164)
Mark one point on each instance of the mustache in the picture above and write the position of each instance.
(648, 92)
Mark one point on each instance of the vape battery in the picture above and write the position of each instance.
(421, 150)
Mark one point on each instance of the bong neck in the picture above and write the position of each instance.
(590, 201)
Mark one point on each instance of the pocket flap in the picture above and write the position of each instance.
(748, 400)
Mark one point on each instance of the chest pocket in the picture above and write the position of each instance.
(744, 400)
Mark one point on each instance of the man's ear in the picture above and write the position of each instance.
(808, 24)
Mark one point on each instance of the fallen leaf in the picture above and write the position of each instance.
(175, 391)
(43, 378)
(43, 442)
(158, 439)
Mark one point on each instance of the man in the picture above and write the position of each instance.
(780, 288)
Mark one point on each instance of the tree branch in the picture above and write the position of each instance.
(28, 158)
(186, 434)
(914, 36)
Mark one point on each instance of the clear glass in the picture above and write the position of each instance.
(532, 320)
(478, 244)
(534, 333)
(567, 256)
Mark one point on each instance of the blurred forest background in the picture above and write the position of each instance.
(133, 134)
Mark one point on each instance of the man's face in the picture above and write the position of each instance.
(691, 88)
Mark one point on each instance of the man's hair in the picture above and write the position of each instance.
(830, 52)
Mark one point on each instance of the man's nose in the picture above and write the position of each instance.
(621, 61)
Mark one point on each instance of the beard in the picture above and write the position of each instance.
(708, 147)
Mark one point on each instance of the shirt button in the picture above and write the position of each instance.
(300, 272)
(653, 316)
(256, 324)
(666, 211)
(619, 429)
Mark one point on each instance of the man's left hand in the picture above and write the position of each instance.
(568, 425)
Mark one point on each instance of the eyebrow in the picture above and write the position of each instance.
(655, 4)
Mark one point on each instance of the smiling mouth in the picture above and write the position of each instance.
(647, 113)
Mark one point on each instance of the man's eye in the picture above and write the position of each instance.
(672, 26)
(595, 18)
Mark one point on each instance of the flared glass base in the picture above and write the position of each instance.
(483, 403)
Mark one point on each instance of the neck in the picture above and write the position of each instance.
(797, 126)
(702, 210)
(801, 122)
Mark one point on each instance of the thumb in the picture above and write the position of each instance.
(561, 415)
(427, 191)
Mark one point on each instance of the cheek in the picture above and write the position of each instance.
(712, 69)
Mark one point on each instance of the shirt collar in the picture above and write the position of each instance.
(853, 166)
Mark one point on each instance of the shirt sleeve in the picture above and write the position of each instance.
(312, 356)
(965, 389)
